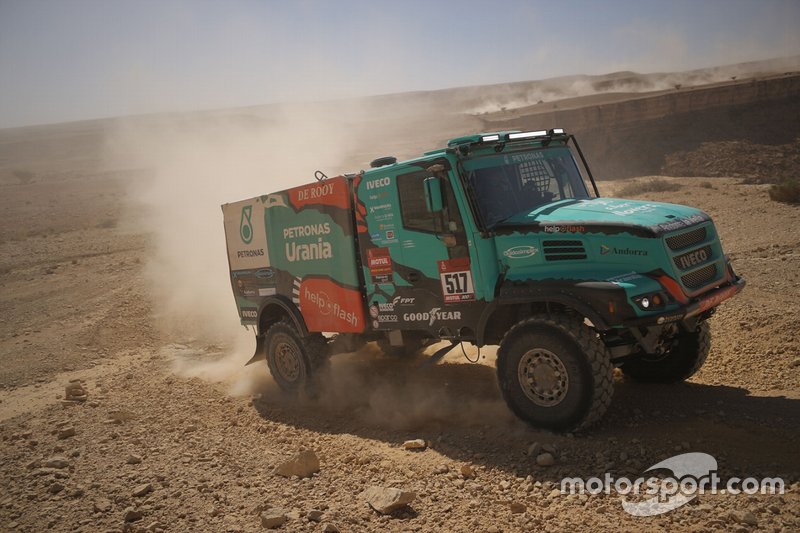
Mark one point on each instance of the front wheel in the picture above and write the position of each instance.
(555, 373)
(687, 354)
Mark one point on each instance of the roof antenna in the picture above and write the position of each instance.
(320, 175)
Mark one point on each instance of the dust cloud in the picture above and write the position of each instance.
(189, 165)
(514, 96)
(404, 393)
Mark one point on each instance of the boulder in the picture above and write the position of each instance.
(387, 500)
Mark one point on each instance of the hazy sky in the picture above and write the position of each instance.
(66, 60)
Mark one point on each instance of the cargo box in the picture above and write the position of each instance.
(297, 245)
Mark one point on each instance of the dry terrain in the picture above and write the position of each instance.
(175, 434)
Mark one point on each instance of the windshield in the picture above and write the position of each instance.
(509, 184)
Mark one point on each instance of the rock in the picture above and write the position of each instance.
(505, 485)
(745, 517)
(315, 515)
(387, 500)
(273, 518)
(441, 469)
(57, 461)
(55, 488)
(329, 528)
(66, 433)
(75, 391)
(534, 449)
(133, 460)
(142, 490)
(303, 464)
(467, 472)
(545, 459)
(416, 444)
(459, 483)
(517, 507)
(132, 515)
(102, 505)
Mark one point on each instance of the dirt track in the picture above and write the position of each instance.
(181, 415)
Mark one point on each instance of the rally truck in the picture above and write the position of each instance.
(497, 239)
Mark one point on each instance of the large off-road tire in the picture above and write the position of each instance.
(687, 354)
(555, 372)
(292, 359)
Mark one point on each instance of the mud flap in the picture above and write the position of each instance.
(260, 354)
(439, 355)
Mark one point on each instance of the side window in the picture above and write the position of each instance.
(416, 216)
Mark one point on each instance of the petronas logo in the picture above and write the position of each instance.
(246, 225)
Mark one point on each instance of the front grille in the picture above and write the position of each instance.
(563, 250)
(684, 240)
(693, 258)
(698, 278)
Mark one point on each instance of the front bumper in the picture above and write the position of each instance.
(695, 307)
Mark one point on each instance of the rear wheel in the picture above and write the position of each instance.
(292, 359)
(555, 373)
(688, 353)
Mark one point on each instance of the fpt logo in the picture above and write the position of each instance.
(246, 225)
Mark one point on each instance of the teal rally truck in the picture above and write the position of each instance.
(497, 239)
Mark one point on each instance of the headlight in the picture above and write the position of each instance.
(651, 301)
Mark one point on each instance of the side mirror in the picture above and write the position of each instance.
(433, 194)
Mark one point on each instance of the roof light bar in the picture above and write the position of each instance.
(526, 135)
(490, 138)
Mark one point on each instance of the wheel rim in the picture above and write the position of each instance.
(543, 377)
(287, 360)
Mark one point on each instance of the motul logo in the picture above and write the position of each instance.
(378, 261)
(692, 259)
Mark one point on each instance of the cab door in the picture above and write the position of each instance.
(416, 261)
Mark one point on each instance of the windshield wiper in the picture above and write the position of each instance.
(503, 220)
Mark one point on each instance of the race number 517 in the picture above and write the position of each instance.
(457, 285)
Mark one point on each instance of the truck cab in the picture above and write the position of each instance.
(454, 242)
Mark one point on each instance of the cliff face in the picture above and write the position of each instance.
(632, 137)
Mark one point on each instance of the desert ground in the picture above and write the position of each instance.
(176, 434)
